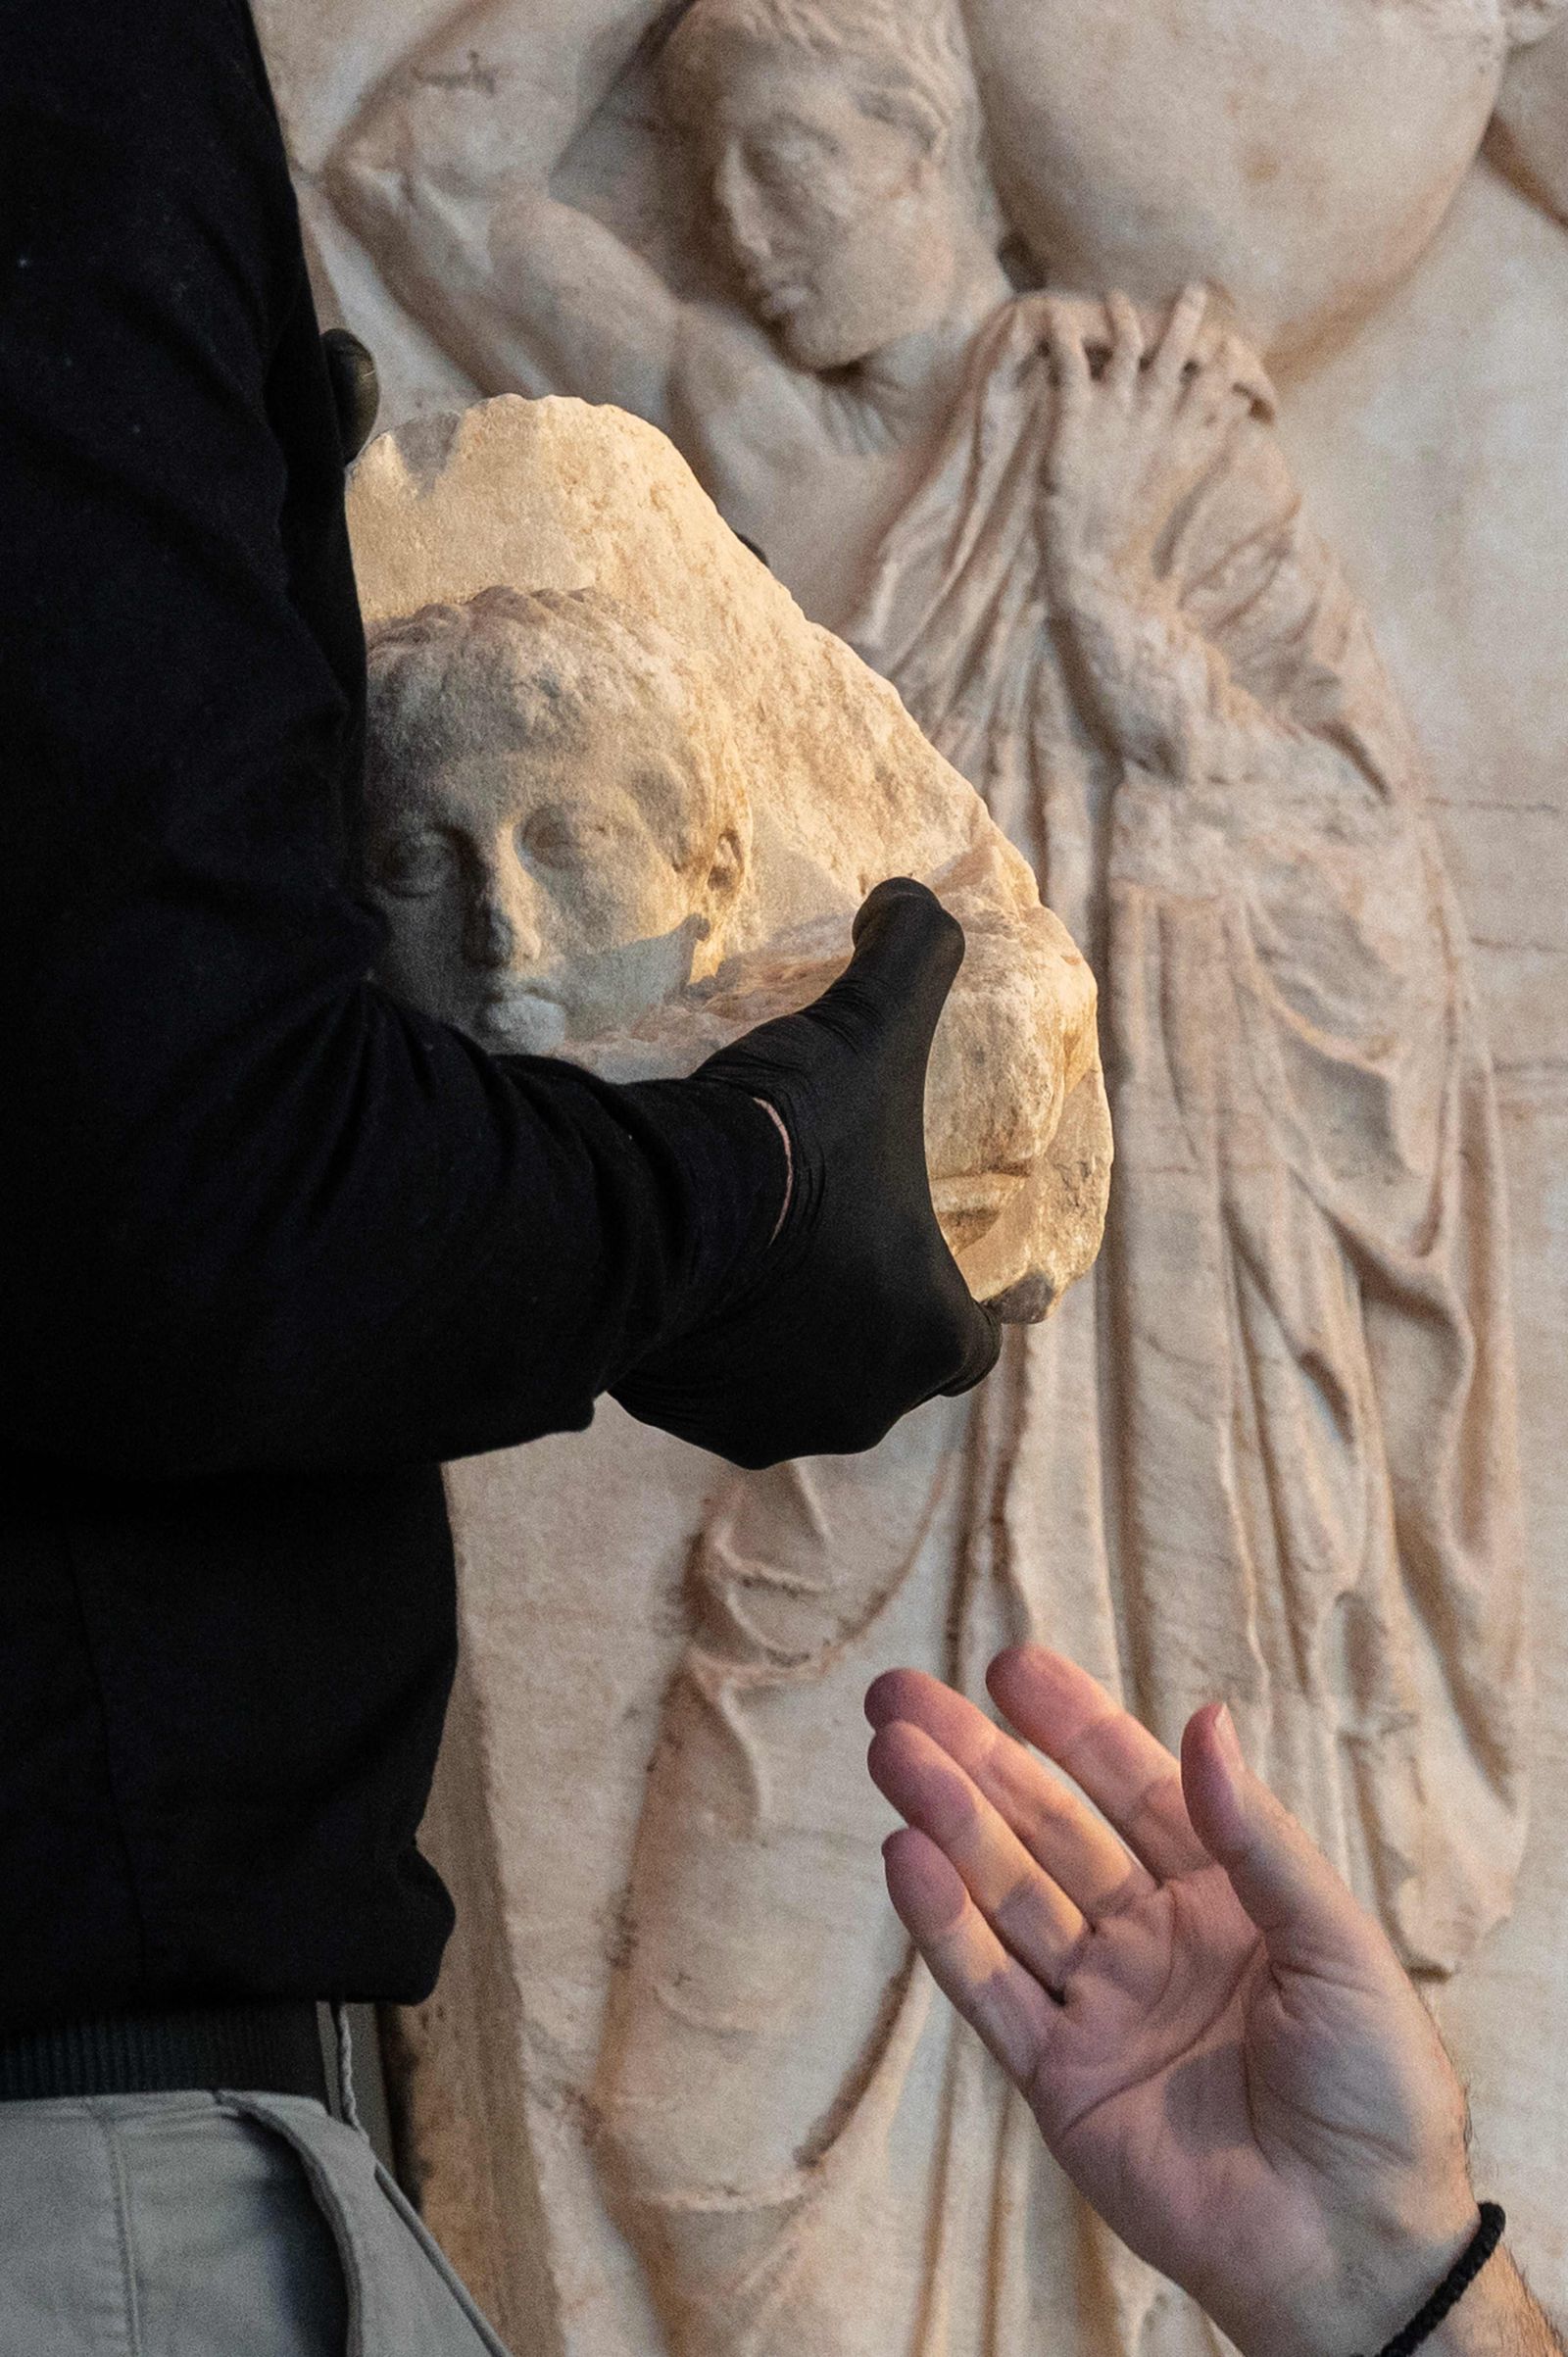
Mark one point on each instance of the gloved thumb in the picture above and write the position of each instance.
(907, 950)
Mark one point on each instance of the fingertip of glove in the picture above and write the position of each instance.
(905, 902)
(903, 935)
(985, 1348)
(892, 892)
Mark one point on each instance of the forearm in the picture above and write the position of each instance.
(376, 1245)
(1498, 2317)
(256, 1212)
(594, 1225)
(494, 267)
(1160, 694)
(491, 103)
(498, 94)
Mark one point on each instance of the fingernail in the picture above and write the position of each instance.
(1229, 1742)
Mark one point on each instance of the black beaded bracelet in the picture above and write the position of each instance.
(1455, 2285)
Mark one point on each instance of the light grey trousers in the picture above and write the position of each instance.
(214, 2225)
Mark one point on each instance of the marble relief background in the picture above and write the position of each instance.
(527, 198)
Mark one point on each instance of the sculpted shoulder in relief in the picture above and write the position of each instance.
(839, 149)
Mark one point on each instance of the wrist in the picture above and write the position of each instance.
(1096, 564)
(1498, 2317)
(1379, 2283)
(731, 1180)
(1093, 598)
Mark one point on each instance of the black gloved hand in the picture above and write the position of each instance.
(356, 388)
(859, 1312)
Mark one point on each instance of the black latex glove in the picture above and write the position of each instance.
(356, 389)
(857, 1312)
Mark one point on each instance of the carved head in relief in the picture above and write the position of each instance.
(845, 148)
(557, 828)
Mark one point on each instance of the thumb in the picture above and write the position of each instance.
(1311, 1921)
(907, 950)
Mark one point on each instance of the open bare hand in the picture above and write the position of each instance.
(1219, 2043)
(1137, 427)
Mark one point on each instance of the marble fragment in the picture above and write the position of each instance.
(623, 799)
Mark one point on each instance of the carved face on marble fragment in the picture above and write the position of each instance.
(558, 826)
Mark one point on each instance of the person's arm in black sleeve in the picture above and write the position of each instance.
(259, 1214)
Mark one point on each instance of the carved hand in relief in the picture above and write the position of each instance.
(1145, 413)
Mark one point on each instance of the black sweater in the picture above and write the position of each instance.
(273, 1246)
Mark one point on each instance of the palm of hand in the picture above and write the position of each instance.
(1242, 2106)
(1153, 2085)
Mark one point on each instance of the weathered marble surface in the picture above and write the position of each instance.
(624, 800)
(1424, 414)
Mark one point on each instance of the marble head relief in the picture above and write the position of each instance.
(842, 152)
(558, 826)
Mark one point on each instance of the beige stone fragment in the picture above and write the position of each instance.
(672, 792)
(567, 495)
